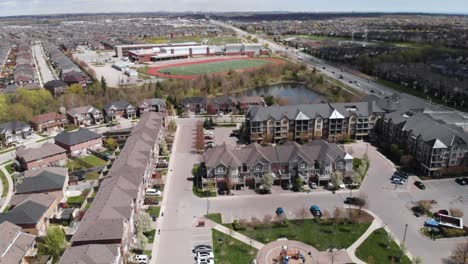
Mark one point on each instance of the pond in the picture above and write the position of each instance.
(286, 93)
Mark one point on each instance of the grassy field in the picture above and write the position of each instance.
(219, 40)
(213, 67)
(228, 250)
(215, 217)
(320, 236)
(376, 248)
(93, 160)
(153, 211)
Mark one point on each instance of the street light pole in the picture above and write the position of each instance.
(404, 236)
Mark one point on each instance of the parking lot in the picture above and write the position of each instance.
(223, 135)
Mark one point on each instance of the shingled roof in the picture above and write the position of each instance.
(46, 150)
(30, 211)
(79, 136)
(42, 180)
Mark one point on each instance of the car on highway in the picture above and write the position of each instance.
(420, 185)
(461, 181)
(202, 248)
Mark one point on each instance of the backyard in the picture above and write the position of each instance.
(228, 250)
(85, 162)
(380, 248)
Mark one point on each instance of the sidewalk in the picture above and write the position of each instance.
(6, 201)
(235, 235)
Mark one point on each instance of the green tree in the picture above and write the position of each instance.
(111, 143)
(336, 178)
(3, 108)
(144, 222)
(269, 100)
(267, 181)
(158, 90)
(54, 243)
(20, 112)
(141, 241)
(103, 84)
(75, 89)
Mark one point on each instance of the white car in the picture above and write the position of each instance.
(205, 261)
(208, 133)
(141, 259)
(204, 255)
(153, 192)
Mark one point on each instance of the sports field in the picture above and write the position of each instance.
(213, 67)
(188, 70)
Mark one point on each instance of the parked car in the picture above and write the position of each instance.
(279, 211)
(315, 210)
(153, 192)
(312, 185)
(286, 186)
(397, 178)
(141, 259)
(402, 174)
(398, 181)
(208, 133)
(461, 181)
(204, 255)
(263, 190)
(202, 248)
(441, 212)
(420, 185)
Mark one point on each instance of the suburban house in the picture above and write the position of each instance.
(195, 104)
(15, 246)
(106, 253)
(221, 104)
(333, 122)
(119, 109)
(52, 180)
(78, 142)
(110, 220)
(48, 122)
(32, 214)
(74, 77)
(438, 147)
(15, 131)
(85, 116)
(246, 101)
(56, 87)
(314, 161)
(154, 104)
(47, 155)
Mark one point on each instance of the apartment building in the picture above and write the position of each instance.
(315, 161)
(435, 145)
(312, 121)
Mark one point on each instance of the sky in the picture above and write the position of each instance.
(37, 7)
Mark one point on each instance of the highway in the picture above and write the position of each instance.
(352, 80)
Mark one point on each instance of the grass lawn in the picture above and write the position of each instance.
(222, 40)
(320, 236)
(147, 252)
(228, 250)
(93, 160)
(213, 67)
(375, 246)
(154, 211)
(90, 176)
(215, 217)
(10, 168)
(4, 184)
(150, 235)
(203, 194)
(76, 199)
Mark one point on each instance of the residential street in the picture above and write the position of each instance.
(181, 207)
(46, 72)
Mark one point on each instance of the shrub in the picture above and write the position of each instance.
(452, 232)
(282, 224)
(238, 226)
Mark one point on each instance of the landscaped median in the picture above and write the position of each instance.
(4, 184)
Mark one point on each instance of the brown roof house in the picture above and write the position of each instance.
(47, 155)
(33, 214)
(56, 87)
(51, 180)
(78, 142)
(74, 77)
(107, 253)
(48, 122)
(15, 246)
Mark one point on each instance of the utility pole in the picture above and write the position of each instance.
(404, 236)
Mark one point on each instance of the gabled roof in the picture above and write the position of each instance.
(336, 115)
(14, 244)
(43, 118)
(28, 212)
(153, 101)
(46, 150)
(118, 105)
(13, 126)
(55, 84)
(83, 110)
(43, 180)
(76, 137)
(91, 254)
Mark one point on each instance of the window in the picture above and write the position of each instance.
(258, 167)
(220, 169)
(303, 165)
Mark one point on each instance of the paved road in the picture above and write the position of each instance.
(46, 73)
(362, 84)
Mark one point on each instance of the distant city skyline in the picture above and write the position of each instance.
(45, 7)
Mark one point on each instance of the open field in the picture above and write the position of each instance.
(190, 70)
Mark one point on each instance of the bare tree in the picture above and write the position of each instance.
(326, 214)
(460, 253)
(267, 219)
(425, 205)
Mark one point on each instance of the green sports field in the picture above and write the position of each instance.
(213, 67)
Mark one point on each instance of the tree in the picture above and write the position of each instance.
(54, 243)
(199, 138)
(336, 178)
(20, 112)
(3, 108)
(456, 212)
(111, 143)
(417, 260)
(158, 90)
(269, 100)
(75, 89)
(425, 205)
(141, 241)
(267, 181)
(460, 253)
(144, 222)
(103, 84)
(362, 201)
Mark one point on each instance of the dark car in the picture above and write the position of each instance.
(202, 248)
(350, 200)
(460, 181)
(420, 185)
(263, 190)
(402, 174)
(441, 212)
(286, 186)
